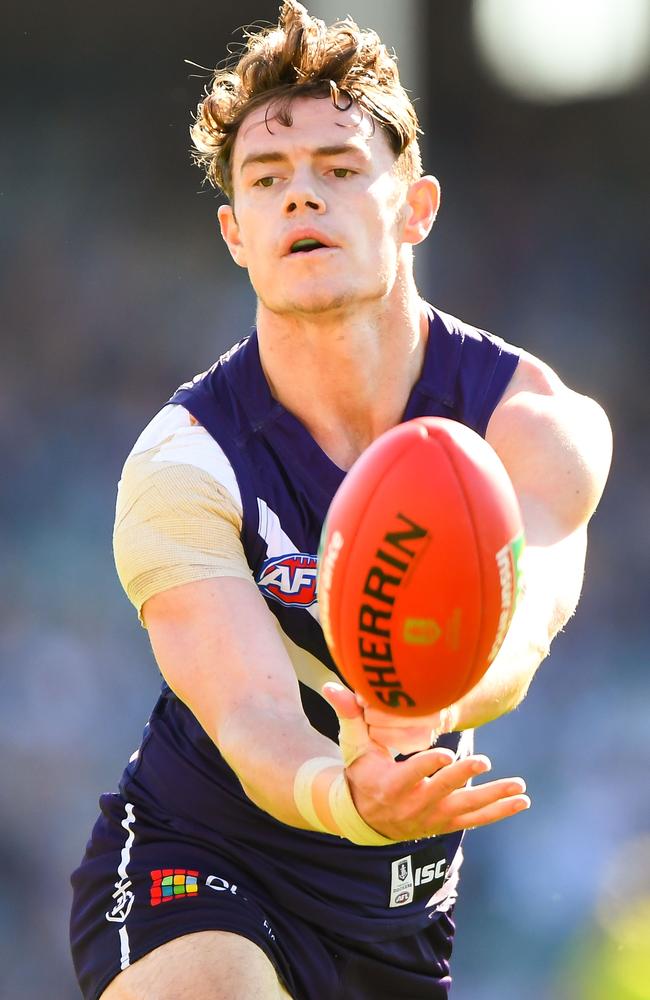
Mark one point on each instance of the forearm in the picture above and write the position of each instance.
(266, 746)
(297, 775)
(552, 584)
(220, 651)
(508, 678)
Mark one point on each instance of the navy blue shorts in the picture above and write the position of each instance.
(134, 893)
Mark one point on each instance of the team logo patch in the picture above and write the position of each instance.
(290, 579)
(401, 881)
(173, 883)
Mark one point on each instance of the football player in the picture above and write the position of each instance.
(272, 836)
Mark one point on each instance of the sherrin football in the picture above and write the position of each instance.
(417, 578)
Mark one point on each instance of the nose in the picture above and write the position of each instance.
(301, 194)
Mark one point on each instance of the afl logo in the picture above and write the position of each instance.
(290, 579)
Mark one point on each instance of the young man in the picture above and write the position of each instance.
(253, 850)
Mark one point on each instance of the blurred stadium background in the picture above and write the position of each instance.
(115, 288)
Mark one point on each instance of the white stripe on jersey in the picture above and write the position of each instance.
(165, 423)
(278, 542)
(309, 669)
(184, 443)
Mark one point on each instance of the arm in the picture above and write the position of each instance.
(556, 446)
(218, 648)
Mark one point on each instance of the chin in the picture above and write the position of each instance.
(315, 302)
(310, 304)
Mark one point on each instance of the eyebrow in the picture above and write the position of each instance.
(340, 149)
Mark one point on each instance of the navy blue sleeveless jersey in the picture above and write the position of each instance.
(178, 778)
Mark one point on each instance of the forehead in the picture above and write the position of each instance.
(315, 122)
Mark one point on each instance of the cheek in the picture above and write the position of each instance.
(253, 246)
(385, 238)
(259, 274)
(389, 216)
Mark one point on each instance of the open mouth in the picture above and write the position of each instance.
(307, 245)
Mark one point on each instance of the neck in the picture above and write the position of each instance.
(346, 374)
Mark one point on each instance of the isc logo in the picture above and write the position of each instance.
(290, 579)
(430, 872)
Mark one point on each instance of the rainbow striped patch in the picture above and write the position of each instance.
(173, 883)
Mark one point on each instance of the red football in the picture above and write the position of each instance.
(417, 575)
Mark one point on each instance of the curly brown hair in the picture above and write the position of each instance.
(303, 57)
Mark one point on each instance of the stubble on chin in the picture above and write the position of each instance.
(313, 302)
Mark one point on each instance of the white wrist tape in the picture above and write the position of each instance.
(350, 823)
(303, 788)
(344, 812)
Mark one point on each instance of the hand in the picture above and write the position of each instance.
(423, 796)
(407, 734)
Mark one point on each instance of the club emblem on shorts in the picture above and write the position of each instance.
(290, 579)
(173, 883)
(401, 882)
(123, 902)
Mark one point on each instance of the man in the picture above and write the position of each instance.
(253, 851)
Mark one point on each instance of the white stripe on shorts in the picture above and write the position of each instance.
(125, 950)
(127, 823)
(122, 894)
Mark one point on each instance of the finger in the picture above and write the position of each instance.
(353, 732)
(458, 774)
(342, 700)
(492, 813)
(422, 765)
(449, 776)
(467, 800)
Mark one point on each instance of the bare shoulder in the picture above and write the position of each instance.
(555, 443)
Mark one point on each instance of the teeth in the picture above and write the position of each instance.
(307, 244)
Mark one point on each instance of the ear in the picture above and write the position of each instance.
(421, 207)
(230, 233)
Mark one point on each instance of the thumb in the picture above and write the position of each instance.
(353, 736)
(342, 700)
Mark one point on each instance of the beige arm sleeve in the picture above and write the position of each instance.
(174, 524)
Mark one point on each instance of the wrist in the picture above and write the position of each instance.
(325, 802)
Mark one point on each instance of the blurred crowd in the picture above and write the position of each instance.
(115, 288)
